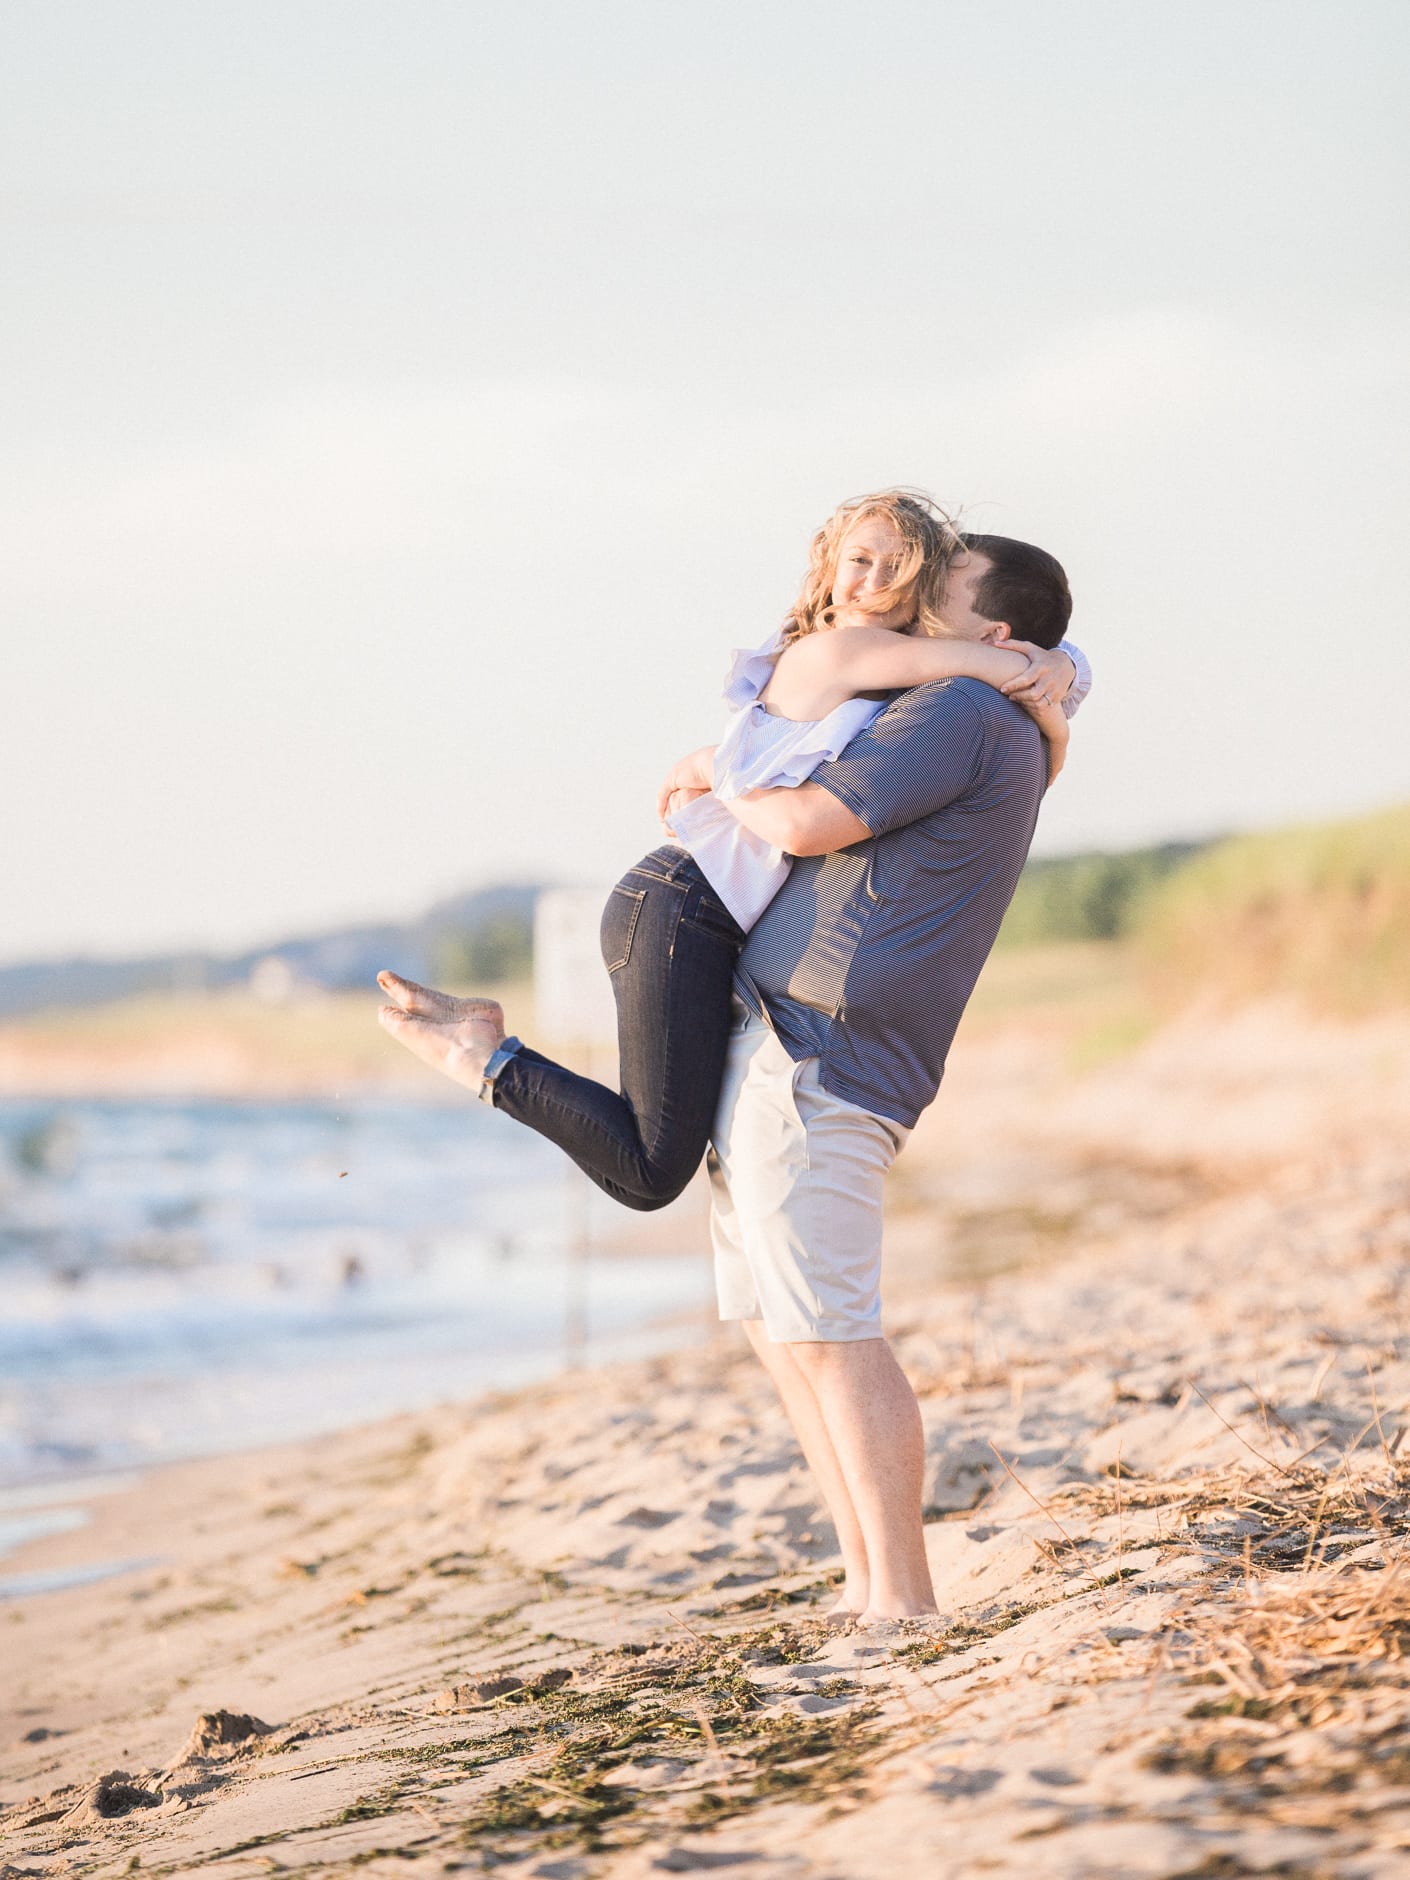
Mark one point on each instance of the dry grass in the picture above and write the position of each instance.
(1320, 913)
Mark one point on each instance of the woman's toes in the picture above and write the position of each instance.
(405, 998)
(420, 1001)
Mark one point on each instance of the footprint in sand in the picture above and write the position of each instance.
(112, 1796)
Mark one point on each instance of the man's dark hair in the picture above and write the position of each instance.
(1025, 586)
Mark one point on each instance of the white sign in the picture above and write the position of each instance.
(573, 1001)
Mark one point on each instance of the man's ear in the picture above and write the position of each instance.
(996, 632)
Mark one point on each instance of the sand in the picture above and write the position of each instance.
(579, 1630)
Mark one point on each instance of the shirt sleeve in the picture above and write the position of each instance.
(1082, 681)
(922, 752)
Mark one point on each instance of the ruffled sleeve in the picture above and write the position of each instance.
(758, 752)
(750, 670)
(1081, 681)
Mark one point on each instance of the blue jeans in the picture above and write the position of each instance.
(670, 945)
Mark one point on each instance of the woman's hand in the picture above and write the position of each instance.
(1047, 680)
(695, 772)
(677, 800)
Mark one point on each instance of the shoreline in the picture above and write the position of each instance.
(47, 1507)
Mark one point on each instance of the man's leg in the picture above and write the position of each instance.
(797, 1178)
(871, 1422)
(804, 1413)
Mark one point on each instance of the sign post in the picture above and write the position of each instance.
(574, 1007)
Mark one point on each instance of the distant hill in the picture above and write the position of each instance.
(485, 935)
(485, 932)
(1323, 912)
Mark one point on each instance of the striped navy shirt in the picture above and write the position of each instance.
(866, 958)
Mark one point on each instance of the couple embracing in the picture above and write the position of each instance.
(791, 965)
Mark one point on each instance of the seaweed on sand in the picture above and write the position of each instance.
(691, 1711)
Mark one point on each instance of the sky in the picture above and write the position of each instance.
(405, 407)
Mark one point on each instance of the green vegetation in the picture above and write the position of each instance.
(1321, 914)
(498, 947)
(1087, 897)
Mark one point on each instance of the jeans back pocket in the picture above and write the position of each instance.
(619, 919)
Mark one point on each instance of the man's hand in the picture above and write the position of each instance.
(695, 772)
(1046, 682)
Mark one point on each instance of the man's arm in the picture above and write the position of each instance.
(920, 754)
(926, 749)
(806, 820)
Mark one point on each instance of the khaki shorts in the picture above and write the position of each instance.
(796, 1179)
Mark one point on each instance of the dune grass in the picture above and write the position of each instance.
(1069, 899)
(1320, 914)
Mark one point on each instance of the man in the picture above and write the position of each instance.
(848, 994)
(849, 990)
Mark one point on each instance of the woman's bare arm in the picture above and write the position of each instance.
(1051, 720)
(817, 673)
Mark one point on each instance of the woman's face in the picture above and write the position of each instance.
(871, 551)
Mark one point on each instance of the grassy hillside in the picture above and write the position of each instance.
(1086, 897)
(1321, 913)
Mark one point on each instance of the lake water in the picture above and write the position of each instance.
(181, 1278)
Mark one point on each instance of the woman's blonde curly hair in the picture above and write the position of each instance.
(930, 541)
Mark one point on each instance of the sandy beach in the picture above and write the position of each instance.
(1155, 1308)
(551, 508)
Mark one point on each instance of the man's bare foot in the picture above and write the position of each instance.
(850, 1604)
(896, 1614)
(454, 1036)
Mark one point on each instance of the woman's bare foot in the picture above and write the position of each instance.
(454, 1036)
